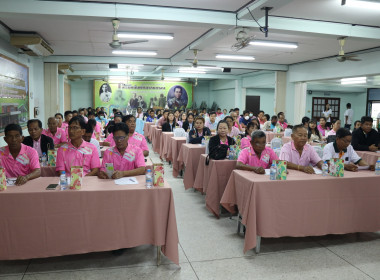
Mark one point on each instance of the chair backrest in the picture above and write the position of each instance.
(288, 132)
(276, 143)
(319, 151)
(179, 132)
(331, 138)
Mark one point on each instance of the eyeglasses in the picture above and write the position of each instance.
(74, 128)
(119, 138)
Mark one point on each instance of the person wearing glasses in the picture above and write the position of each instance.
(78, 152)
(19, 161)
(127, 159)
(57, 134)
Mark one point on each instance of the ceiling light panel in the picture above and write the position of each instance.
(149, 36)
(234, 57)
(274, 44)
(133, 52)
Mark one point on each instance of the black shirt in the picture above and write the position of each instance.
(362, 141)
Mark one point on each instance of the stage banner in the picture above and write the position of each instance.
(144, 94)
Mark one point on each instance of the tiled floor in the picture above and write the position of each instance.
(211, 249)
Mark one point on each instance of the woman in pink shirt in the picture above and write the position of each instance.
(335, 127)
(323, 129)
(281, 121)
(232, 131)
(135, 138)
(257, 157)
(127, 159)
(59, 118)
(246, 141)
(299, 155)
(78, 152)
(18, 160)
(58, 135)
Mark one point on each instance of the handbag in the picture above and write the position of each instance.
(217, 152)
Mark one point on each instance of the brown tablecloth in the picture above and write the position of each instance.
(156, 139)
(212, 180)
(304, 205)
(102, 216)
(189, 155)
(147, 129)
(286, 139)
(175, 146)
(369, 157)
(270, 135)
(165, 150)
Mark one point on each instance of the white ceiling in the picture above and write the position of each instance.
(75, 38)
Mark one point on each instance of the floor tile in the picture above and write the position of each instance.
(130, 273)
(11, 277)
(13, 267)
(297, 265)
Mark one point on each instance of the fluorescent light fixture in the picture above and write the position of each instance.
(234, 57)
(130, 52)
(173, 79)
(210, 68)
(274, 44)
(153, 36)
(129, 65)
(352, 81)
(123, 70)
(192, 71)
(363, 4)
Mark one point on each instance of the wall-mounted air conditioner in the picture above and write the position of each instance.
(31, 44)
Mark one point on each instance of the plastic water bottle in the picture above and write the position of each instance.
(44, 159)
(232, 154)
(149, 179)
(325, 169)
(377, 167)
(203, 142)
(273, 172)
(63, 181)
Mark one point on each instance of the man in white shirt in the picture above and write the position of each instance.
(342, 149)
(88, 138)
(348, 116)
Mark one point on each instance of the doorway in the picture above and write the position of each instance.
(252, 103)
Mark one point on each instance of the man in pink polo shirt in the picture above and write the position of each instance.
(18, 160)
(58, 135)
(127, 159)
(78, 152)
(256, 157)
(298, 154)
(135, 138)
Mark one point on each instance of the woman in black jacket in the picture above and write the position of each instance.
(199, 131)
(220, 143)
(170, 124)
(189, 123)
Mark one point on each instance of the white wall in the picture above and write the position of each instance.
(201, 93)
(82, 94)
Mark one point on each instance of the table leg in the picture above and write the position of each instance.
(258, 243)
(238, 223)
(158, 255)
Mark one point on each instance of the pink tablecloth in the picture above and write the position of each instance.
(189, 157)
(304, 205)
(102, 216)
(286, 139)
(369, 157)
(270, 135)
(165, 149)
(147, 128)
(156, 139)
(175, 145)
(212, 180)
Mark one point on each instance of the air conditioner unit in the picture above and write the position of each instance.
(31, 44)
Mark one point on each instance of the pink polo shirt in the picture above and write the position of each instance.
(98, 127)
(234, 132)
(283, 125)
(59, 137)
(309, 155)
(322, 131)
(136, 139)
(64, 125)
(86, 155)
(37, 146)
(26, 161)
(248, 157)
(245, 142)
(133, 158)
(331, 132)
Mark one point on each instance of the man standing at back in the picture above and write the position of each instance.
(348, 115)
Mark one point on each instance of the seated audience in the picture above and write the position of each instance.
(170, 124)
(271, 125)
(78, 152)
(300, 155)
(163, 119)
(82, 113)
(357, 124)
(59, 118)
(38, 141)
(18, 160)
(101, 118)
(335, 127)
(236, 123)
(68, 116)
(281, 121)
(366, 138)
(127, 159)
(182, 119)
(188, 125)
(323, 129)
(232, 130)
(246, 141)
(305, 122)
(212, 123)
(342, 149)
(220, 143)
(135, 138)
(199, 132)
(245, 120)
(151, 116)
(58, 135)
(261, 118)
(88, 137)
(313, 132)
(256, 157)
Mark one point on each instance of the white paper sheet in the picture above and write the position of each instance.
(126, 181)
(363, 167)
(267, 171)
(11, 182)
(317, 171)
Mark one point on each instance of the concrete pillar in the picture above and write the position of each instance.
(299, 102)
(61, 93)
(51, 92)
(280, 92)
(239, 94)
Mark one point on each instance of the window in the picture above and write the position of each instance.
(319, 106)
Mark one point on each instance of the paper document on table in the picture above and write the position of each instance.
(11, 182)
(126, 181)
(363, 167)
(267, 171)
(317, 171)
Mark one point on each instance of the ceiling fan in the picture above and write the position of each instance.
(242, 39)
(194, 62)
(116, 44)
(341, 56)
